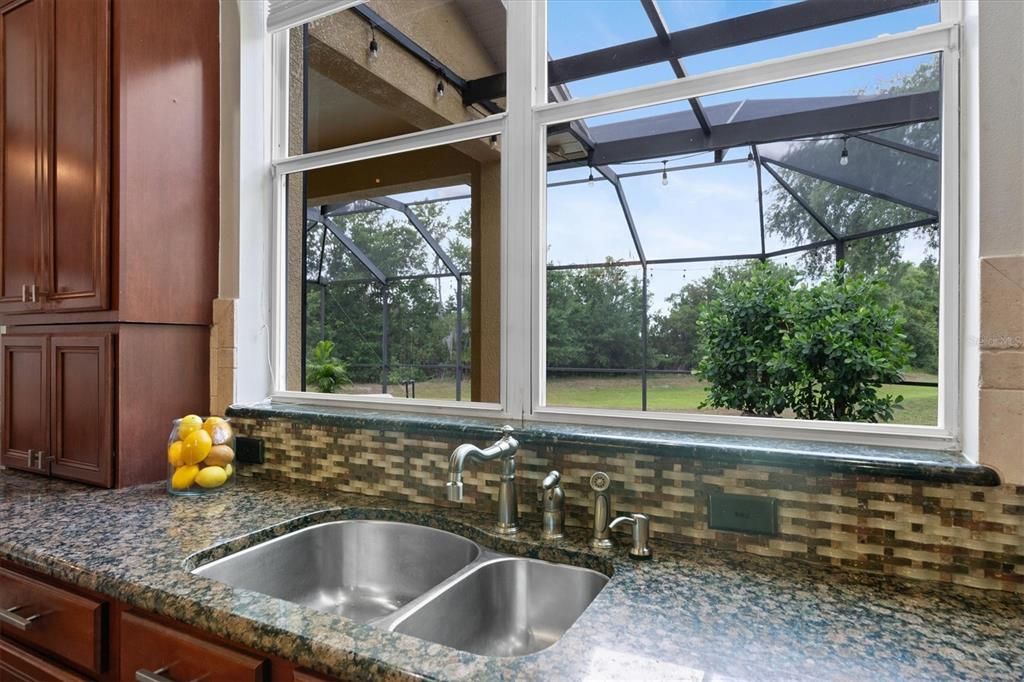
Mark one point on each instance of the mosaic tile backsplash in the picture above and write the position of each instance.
(966, 535)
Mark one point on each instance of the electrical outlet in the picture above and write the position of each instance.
(743, 513)
(249, 450)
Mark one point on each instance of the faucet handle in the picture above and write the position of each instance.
(506, 431)
(641, 524)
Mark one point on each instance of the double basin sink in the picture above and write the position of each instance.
(418, 581)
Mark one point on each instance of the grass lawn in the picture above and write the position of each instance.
(665, 393)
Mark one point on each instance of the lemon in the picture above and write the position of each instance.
(219, 430)
(196, 447)
(189, 424)
(229, 470)
(174, 453)
(184, 476)
(211, 477)
(219, 456)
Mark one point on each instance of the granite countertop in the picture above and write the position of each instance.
(691, 613)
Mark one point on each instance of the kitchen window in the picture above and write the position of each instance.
(523, 210)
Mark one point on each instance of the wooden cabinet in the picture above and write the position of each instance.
(58, 400)
(18, 665)
(109, 211)
(149, 647)
(55, 128)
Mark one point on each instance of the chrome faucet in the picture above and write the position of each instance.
(503, 450)
(551, 494)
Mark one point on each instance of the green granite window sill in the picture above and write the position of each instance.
(866, 460)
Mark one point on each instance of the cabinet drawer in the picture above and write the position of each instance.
(17, 665)
(164, 653)
(52, 620)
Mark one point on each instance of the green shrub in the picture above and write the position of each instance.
(822, 351)
(325, 371)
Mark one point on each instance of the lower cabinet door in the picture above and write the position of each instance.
(26, 425)
(81, 408)
(18, 665)
(156, 653)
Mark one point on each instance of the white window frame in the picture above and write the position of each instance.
(523, 317)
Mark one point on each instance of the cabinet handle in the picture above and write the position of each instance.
(9, 617)
(33, 293)
(143, 675)
(24, 293)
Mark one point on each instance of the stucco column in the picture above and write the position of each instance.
(485, 340)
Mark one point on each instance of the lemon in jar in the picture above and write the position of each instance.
(196, 447)
(174, 453)
(219, 430)
(189, 425)
(211, 477)
(219, 456)
(184, 476)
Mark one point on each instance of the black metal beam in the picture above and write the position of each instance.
(741, 30)
(760, 192)
(352, 247)
(841, 182)
(624, 203)
(803, 204)
(388, 29)
(395, 205)
(661, 29)
(843, 118)
(899, 146)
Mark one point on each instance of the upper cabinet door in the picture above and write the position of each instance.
(81, 408)
(77, 254)
(26, 32)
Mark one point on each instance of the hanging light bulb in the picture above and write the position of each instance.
(374, 48)
(439, 88)
(844, 156)
(750, 159)
(590, 180)
(664, 173)
(494, 142)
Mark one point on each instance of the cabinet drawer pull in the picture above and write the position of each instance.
(24, 293)
(9, 617)
(33, 293)
(143, 675)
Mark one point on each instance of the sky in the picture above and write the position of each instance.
(705, 212)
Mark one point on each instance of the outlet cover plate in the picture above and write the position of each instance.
(249, 450)
(743, 513)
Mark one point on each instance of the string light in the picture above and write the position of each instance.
(439, 89)
(664, 173)
(844, 156)
(374, 49)
(494, 142)
(590, 180)
(750, 159)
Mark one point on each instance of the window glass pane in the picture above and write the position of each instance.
(794, 178)
(373, 71)
(716, 35)
(386, 301)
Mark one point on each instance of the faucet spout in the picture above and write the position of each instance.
(503, 450)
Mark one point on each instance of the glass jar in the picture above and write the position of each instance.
(200, 456)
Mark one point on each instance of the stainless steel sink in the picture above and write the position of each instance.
(362, 570)
(506, 607)
(418, 581)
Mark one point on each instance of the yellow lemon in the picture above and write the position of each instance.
(189, 424)
(211, 477)
(219, 456)
(184, 476)
(229, 470)
(174, 452)
(196, 447)
(219, 430)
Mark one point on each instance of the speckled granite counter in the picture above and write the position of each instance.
(690, 614)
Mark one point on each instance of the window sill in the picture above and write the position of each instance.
(867, 460)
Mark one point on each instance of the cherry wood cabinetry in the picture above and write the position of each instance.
(109, 188)
(77, 634)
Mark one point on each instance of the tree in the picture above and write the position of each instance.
(740, 332)
(823, 351)
(842, 342)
